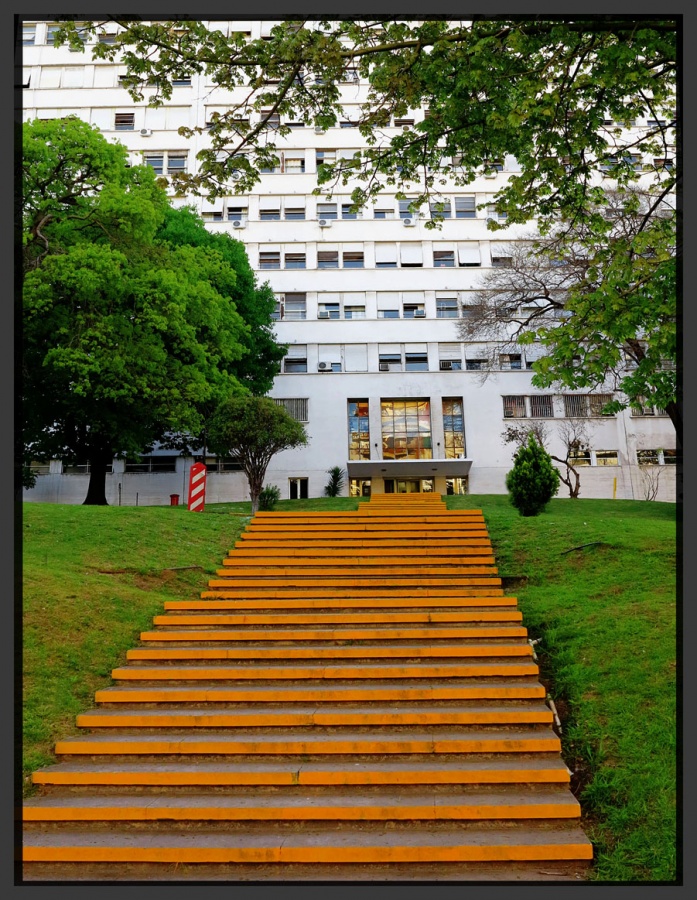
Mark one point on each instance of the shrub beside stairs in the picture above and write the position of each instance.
(354, 698)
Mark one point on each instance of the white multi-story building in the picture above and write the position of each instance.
(371, 299)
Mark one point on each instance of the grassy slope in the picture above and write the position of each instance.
(604, 613)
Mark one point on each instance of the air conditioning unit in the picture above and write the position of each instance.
(408, 223)
(419, 313)
(384, 367)
(406, 127)
(146, 132)
(490, 174)
(323, 314)
(319, 130)
(325, 367)
(325, 223)
(446, 365)
(508, 413)
(238, 223)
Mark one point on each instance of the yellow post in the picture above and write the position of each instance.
(614, 488)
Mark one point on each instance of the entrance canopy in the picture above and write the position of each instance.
(408, 468)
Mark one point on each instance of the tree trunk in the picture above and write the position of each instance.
(675, 413)
(99, 459)
(575, 487)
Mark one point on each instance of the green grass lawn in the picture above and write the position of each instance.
(595, 580)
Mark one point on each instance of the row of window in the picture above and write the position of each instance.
(145, 465)
(293, 306)
(293, 209)
(404, 358)
(404, 255)
(541, 406)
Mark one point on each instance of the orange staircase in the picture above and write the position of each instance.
(354, 698)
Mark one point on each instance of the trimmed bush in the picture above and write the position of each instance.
(533, 480)
(269, 497)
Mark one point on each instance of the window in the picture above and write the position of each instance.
(405, 212)
(237, 213)
(358, 430)
(269, 260)
(476, 363)
(354, 312)
(496, 215)
(221, 464)
(541, 406)
(294, 213)
(350, 76)
(450, 365)
(446, 307)
(270, 119)
(410, 256)
(51, 33)
(184, 81)
(166, 163)
(441, 209)
(400, 123)
(28, 34)
(37, 467)
(270, 214)
(152, 465)
(385, 256)
(453, 428)
(359, 487)
(329, 310)
(346, 212)
(390, 362)
(416, 362)
(352, 260)
(326, 211)
(493, 166)
(347, 123)
(384, 213)
(502, 262)
(466, 207)
(296, 360)
(294, 164)
(670, 457)
(443, 259)
(514, 408)
(325, 158)
(579, 457)
(212, 215)
(294, 261)
(110, 38)
(413, 311)
(295, 407)
(327, 259)
(510, 361)
(124, 121)
(295, 307)
(647, 457)
(583, 405)
(468, 255)
(406, 429)
(606, 458)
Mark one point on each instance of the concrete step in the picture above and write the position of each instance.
(257, 770)
(364, 652)
(314, 603)
(381, 741)
(321, 672)
(409, 713)
(288, 805)
(343, 693)
(319, 845)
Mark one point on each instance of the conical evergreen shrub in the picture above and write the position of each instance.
(533, 480)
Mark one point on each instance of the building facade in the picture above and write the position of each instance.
(368, 303)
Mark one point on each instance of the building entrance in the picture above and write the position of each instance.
(408, 485)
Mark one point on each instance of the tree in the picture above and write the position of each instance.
(574, 434)
(126, 338)
(533, 480)
(254, 429)
(599, 301)
(335, 485)
(549, 95)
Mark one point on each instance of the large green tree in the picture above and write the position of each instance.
(552, 95)
(127, 338)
